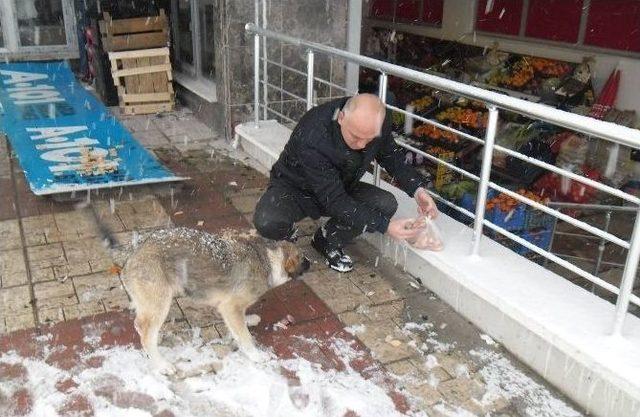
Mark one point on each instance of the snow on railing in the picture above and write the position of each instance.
(495, 102)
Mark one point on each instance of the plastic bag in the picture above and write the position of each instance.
(429, 237)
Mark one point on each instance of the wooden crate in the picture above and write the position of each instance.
(136, 33)
(143, 79)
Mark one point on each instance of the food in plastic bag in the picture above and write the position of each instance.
(429, 237)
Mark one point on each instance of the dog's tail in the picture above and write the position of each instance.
(104, 231)
(118, 250)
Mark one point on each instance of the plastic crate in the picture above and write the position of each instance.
(468, 200)
(541, 238)
(536, 219)
(512, 220)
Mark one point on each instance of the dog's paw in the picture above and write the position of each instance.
(252, 320)
(256, 355)
(164, 367)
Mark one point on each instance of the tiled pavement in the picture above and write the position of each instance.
(55, 274)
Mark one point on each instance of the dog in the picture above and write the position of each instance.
(226, 273)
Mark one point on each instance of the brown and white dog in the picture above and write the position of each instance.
(227, 273)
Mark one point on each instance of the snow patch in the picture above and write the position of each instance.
(506, 381)
(488, 340)
(239, 388)
(356, 329)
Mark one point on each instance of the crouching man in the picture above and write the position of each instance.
(319, 171)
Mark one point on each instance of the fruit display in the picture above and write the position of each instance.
(421, 104)
(437, 150)
(506, 203)
(521, 74)
(497, 77)
(397, 118)
(549, 67)
(465, 117)
(435, 133)
(456, 190)
(559, 188)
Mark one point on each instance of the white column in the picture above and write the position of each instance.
(354, 29)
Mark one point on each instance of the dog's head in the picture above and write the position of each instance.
(292, 263)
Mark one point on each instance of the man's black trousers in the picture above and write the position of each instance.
(282, 206)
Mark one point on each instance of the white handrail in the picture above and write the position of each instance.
(494, 101)
(606, 130)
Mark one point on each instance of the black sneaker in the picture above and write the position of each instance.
(336, 258)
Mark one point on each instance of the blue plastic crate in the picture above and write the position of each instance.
(512, 220)
(468, 200)
(541, 238)
(536, 219)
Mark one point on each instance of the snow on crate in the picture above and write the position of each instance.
(124, 385)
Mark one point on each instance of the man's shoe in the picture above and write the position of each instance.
(336, 258)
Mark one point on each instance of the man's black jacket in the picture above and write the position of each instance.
(317, 162)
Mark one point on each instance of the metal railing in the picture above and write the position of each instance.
(495, 102)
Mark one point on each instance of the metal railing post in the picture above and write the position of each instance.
(628, 277)
(265, 75)
(310, 59)
(382, 93)
(485, 174)
(602, 246)
(256, 66)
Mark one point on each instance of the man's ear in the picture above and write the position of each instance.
(340, 117)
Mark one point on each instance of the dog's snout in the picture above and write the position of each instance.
(305, 265)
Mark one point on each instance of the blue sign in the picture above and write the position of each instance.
(64, 137)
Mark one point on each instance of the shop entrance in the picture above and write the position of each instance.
(37, 29)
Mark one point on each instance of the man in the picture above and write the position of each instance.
(318, 174)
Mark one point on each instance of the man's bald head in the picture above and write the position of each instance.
(361, 120)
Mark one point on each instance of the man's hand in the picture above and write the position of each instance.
(399, 229)
(426, 205)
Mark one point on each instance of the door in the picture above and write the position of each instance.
(206, 63)
(183, 31)
(38, 29)
(193, 25)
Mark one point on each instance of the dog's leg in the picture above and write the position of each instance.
(252, 320)
(152, 300)
(148, 325)
(234, 317)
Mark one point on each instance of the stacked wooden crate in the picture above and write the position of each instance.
(140, 63)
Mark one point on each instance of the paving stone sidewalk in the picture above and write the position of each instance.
(54, 274)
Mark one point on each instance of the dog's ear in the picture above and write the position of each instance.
(290, 257)
(290, 265)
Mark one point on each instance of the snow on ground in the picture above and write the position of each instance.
(502, 380)
(239, 388)
(505, 380)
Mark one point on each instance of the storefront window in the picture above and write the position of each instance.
(40, 22)
(185, 35)
(415, 12)
(610, 24)
(499, 16)
(614, 24)
(554, 20)
(207, 14)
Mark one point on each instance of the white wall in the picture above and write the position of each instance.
(458, 24)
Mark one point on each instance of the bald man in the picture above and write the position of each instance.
(318, 174)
